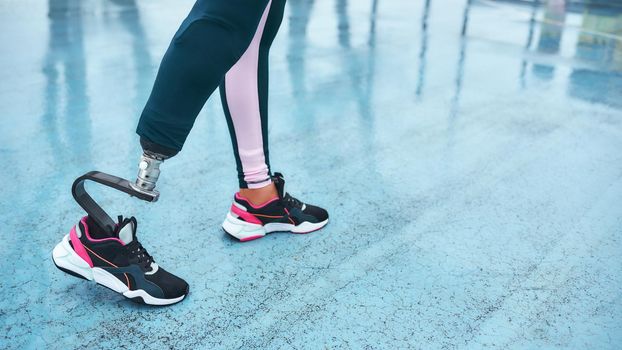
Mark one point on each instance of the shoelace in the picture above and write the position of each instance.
(291, 201)
(139, 254)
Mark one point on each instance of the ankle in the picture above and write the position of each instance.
(259, 196)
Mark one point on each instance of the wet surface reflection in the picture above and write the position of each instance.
(468, 151)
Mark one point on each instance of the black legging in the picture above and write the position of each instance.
(226, 43)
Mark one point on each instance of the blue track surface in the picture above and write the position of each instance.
(470, 157)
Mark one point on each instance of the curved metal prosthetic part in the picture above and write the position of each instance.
(95, 211)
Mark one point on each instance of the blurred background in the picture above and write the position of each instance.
(469, 152)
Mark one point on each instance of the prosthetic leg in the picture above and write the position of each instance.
(143, 188)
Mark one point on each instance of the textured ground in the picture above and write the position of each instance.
(470, 156)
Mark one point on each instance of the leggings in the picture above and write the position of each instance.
(222, 43)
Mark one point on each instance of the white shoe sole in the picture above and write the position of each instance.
(246, 231)
(67, 260)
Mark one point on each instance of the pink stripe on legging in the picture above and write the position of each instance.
(243, 102)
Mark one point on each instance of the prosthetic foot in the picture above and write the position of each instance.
(108, 252)
(143, 188)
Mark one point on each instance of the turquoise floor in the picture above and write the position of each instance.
(469, 152)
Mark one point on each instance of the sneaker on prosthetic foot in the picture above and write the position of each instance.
(247, 222)
(118, 262)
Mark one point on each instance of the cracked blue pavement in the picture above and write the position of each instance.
(469, 152)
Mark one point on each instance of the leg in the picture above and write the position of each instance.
(262, 205)
(209, 41)
(244, 95)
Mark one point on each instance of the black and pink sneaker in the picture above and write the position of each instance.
(246, 221)
(118, 262)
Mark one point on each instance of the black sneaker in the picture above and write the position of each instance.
(246, 221)
(120, 263)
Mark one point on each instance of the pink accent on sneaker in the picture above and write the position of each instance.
(78, 247)
(250, 238)
(86, 232)
(248, 217)
(240, 197)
